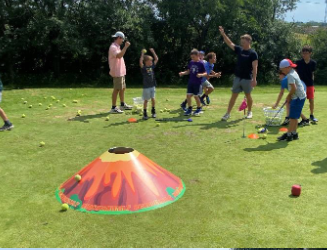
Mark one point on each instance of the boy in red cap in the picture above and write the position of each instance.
(296, 98)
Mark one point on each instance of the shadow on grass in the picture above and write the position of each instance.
(218, 124)
(293, 196)
(268, 147)
(139, 120)
(85, 118)
(322, 167)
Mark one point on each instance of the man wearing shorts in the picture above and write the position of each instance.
(118, 72)
(245, 72)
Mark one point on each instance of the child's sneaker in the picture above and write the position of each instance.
(183, 106)
(225, 117)
(304, 123)
(197, 112)
(285, 137)
(188, 112)
(249, 115)
(145, 116)
(6, 127)
(313, 119)
(202, 102)
(295, 136)
(207, 100)
(126, 107)
(286, 121)
(116, 111)
(153, 114)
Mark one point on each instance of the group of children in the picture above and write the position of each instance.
(199, 70)
(298, 78)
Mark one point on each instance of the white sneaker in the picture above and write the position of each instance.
(225, 117)
(116, 111)
(249, 116)
(126, 107)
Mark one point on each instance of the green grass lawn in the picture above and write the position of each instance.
(237, 190)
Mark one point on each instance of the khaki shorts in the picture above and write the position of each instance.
(119, 83)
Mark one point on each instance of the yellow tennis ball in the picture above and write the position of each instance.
(64, 207)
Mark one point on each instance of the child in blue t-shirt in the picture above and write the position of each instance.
(196, 71)
(284, 85)
(206, 85)
(8, 125)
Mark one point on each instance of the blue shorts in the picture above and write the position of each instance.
(194, 89)
(149, 93)
(296, 107)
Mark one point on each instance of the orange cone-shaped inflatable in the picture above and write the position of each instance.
(120, 181)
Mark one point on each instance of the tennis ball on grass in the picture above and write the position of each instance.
(64, 207)
(107, 118)
(25, 102)
(75, 101)
(78, 177)
(23, 116)
(53, 98)
(161, 111)
(42, 144)
(158, 125)
(30, 106)
(58, 101)
(64, 105)
(264, 136)
(23, 99)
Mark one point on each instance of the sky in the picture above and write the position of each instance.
(308, 10)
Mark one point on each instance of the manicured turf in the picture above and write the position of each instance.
(237, 190)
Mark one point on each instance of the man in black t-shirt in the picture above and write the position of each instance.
(306, 68)
(245, 72)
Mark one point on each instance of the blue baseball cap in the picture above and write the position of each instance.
(202, 52)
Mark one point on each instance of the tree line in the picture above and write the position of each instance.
(43, 42)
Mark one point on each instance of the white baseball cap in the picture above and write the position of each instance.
(119, 34)
(287, 63)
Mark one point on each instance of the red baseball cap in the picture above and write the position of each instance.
(287, 63)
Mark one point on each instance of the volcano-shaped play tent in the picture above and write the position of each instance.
(121, 181)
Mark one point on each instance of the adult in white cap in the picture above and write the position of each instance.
(245, 72)
(296, 98)
(118, 72)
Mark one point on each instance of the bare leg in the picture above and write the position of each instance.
(189, 100)
(249, 101)
(3, 115)
(312, 106)
(114, 96)
(197, 99)
(122, 95)
(293, 125)
(209, 91)
(232, 102)
(145, 104)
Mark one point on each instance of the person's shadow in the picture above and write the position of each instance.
(86, 118)
(322, 167)
(268, 146)
(218, 124)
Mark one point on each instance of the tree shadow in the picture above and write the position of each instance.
(322, 167)
(268, 147)
(86, 118)
(140, 120)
